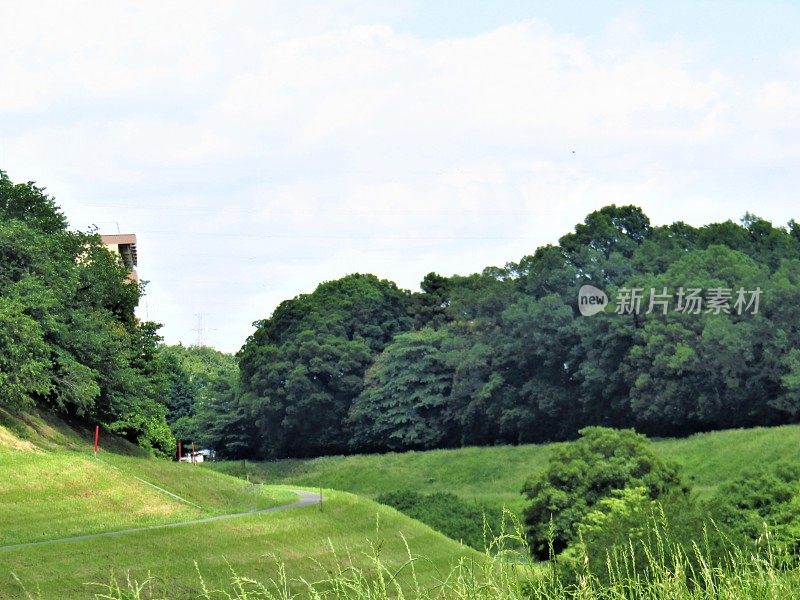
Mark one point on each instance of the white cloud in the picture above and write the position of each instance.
(259, 148)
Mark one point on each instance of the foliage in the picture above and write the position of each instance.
(405, 402)
(70, 339)
(24, 364)
(497, 357)
(304, 366)
(504, 356)
(768, 497)
(203, 402)
(584, 473)
(466, 521)
(629, 526)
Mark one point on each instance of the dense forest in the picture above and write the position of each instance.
(505, 356)
(360, 365)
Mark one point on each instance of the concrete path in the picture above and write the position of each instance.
(306, 499)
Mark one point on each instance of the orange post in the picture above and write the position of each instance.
(96, 438)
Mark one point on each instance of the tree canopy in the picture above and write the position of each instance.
(583, 474)
(500, 356)
(303, 367)
(69, 338)
(504, 356)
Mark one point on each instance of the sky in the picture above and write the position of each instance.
(259, 148)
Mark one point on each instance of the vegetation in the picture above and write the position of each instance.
(469, 522)
(583, 474)
(305, 364)
(671, 552)
(202, 400)
(769, 496)
(504, 356)
(255, 545)
(50, 486)
(495, 475)
(359, 365)
(491, 359)
(69, 340)
(506, 575)
(66, 491)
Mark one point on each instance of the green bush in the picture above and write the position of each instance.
(630, 531)
(765, 497)
(583, 473)
(468, 521)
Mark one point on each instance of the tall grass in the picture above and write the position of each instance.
(507, 572)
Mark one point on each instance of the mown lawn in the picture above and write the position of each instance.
(216, 493)
(47, 495)
(710, 459)
(52, 487)
(251, 545)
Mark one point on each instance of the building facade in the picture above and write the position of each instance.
(124, 244)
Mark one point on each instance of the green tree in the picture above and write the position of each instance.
(689, 372)
(203, 403)
(304, 366)
(27, 203)
(405, 399)
(222, 423)
(581, 474)
(25, 371)
(71, 340)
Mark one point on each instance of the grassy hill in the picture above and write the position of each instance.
(496, 474)
(52, 487)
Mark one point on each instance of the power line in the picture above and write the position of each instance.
(278, 236)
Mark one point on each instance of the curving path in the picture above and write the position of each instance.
(306, 499)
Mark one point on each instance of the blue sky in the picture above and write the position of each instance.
(732, 32)
(258, 148)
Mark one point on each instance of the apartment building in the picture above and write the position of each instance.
(124, 244)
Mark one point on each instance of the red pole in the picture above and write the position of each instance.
(96, 438)
(179, 452)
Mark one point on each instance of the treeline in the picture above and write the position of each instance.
(359, 365)
(69, 339)
(505, 356)
(202, 400)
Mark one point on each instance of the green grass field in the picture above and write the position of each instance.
(496, 474)
(250, 545)
(52, 487)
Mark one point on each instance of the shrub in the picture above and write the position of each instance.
(581, 474)
(629, 531)
(459, 519)
(767, 496)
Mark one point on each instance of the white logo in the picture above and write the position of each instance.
(591, 300)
